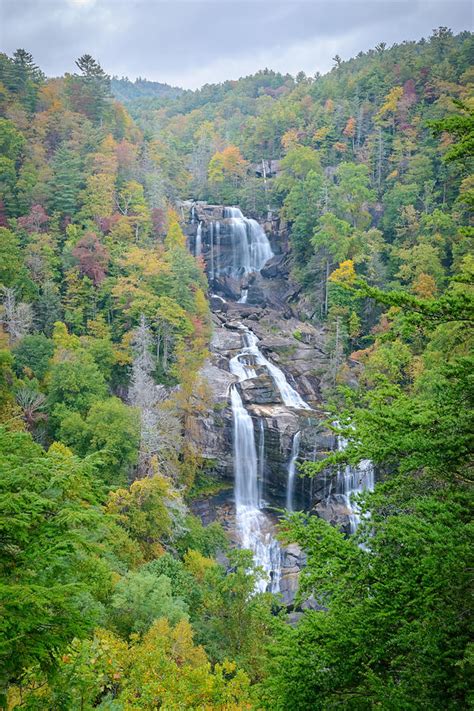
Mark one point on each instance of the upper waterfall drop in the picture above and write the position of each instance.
(250, 245)
(199, 240)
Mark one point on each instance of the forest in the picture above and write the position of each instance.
(115, 594)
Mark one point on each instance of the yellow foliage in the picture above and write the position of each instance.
(63, 340)
(345, 274)
(50, 96)
(416, 367)
(60, 450)
(174, 236)
(98, 196)
(98, 328)
(144, 262)
(424, 286)
(390, 102)
(228, 163)
(197, 564)
(289, 139)
(121, 232)
(142, 510)
(321, 134)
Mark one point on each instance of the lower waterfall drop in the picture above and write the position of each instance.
(295, 449)
(354, 480)
(253, 526)
(261, 463)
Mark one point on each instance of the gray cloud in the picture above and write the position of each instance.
(191, 42)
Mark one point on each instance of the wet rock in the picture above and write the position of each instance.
(292, 561)
(218, 303)
(259, 391)
(334, 510)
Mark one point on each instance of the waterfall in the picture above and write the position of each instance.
(199, 240)
(354, 480)
(243, 296)
(261, 463)
(193, 214)
(253, 526)
(288, 394)
(218, 249)
(295, 449)
(211, 239)
(245, 454)
(250, 246)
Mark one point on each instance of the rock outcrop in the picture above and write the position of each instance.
(267, 303)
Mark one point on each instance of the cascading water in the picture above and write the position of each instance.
(250, 246)
(295, 449)
(288, 394)
(261, 463)
(211, 240)
(217, 229)
(351, 481)
(198, 251)
(253, 526)
(243, 296)
(249, 251)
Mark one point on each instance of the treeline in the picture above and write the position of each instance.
(359, 173)
(374, 182)
(110, 593)
(109, 590)
(125, 90)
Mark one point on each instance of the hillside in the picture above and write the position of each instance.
(236, 386)
(128, 91)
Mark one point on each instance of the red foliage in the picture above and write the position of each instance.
(160, 222)
(105, 223)
(92, 256)
(35, 221)
(126, 155)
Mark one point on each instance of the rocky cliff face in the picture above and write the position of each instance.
(267, 303)
(298, 348)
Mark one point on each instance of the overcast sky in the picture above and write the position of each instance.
(188, 43)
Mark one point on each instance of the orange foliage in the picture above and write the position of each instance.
(350, 128)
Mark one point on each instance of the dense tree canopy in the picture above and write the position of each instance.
(111, 594)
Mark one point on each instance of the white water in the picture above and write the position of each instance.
(211, 239)
(243, 296)
(199, 240)
(261, 463)
(354, 480)
(250, 251)
(253, 526)
(218, 248)
(288, 394)
(295, 449)
(250, 246)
